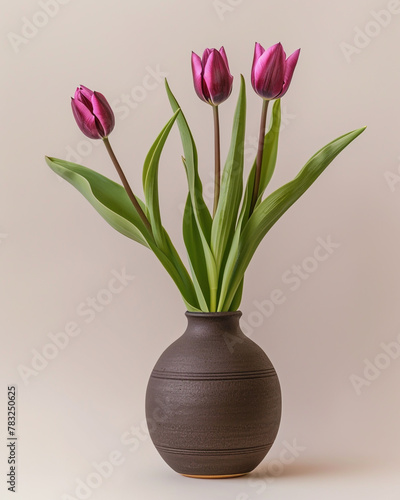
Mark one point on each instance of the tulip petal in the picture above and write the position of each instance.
(85, 119)
(197, 70)
(269, 71)
(84, 95)
(217, 78)
(223, 55)
(258, 52)
(290, 66)
(86, 92)
(206, 55)
(103, 112)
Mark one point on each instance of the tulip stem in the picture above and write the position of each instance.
(260, 151)
(126, 185)
(217, 156)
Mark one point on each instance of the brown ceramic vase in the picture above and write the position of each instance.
(213, 401)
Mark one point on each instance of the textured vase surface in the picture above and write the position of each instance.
(213, 401)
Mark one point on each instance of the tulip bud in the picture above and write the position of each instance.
(92, 113)
(271, 72)
(211, 76)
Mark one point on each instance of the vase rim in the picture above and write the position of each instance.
(223, 314)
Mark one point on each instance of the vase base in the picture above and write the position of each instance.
(215, 477)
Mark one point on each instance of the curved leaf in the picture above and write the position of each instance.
(150, 182)
(197, 261)
(272, 208)
(270, 153)
(199, 210)
(112, 202)
(106, 196)
(267, 170)
(225, 218)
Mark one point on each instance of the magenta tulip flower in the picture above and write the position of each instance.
(92, 113)
(272, 73)
(211, 76)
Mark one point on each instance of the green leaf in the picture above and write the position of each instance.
(150, 183)
(150, 187)
(229, 268)
(270, 153)
(106, 196)
(202, 213)
(113, 204)
(272, 208)
(235, 304)
(202, 229)
(225, 218)
(267, 170)
(186, 285)
(197, 261)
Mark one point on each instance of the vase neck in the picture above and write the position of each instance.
(213, 323)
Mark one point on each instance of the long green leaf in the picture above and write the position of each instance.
(112, 202)
(199, 210)
(150, 187)
(270, 153)
(273, 207)
(191, 163)
(267, 169)
(106, 196)
(197, 261)
(229, 268)
(150, 183)
(225, 218)
(235, 304)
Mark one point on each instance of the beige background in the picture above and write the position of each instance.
(55, 251)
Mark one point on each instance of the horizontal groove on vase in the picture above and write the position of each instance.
(232, 451)
(169, 375)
